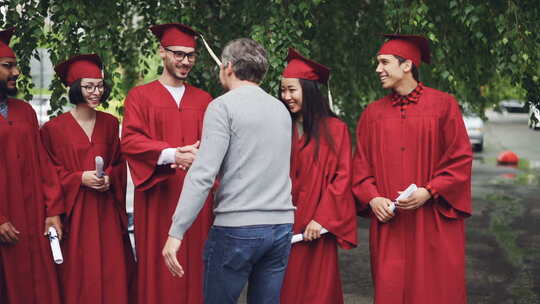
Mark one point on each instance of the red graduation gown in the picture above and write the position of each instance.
(321, 191)
(153, 122)
(97, 256)
(29, 191)
(419, 256)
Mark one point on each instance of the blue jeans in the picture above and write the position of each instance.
(234, 255)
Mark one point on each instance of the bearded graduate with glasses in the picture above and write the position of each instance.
(160, 138)
(98, 261)
(321, 173)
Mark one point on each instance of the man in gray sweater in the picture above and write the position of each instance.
(246, 142)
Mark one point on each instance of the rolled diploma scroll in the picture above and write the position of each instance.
(300, 237)
(405, 194)
(99, 167)
(55, 246)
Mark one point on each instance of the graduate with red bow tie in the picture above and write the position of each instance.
(414, 135)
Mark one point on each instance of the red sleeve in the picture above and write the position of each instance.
(451, 180)
(336, 210)
(117, 173)
(70, 181)
(52, 190)
(364, 186)
(140, 149)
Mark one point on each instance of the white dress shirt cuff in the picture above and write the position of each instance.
(167, 157)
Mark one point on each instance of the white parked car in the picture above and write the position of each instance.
(513, 106)
(475, 130)
(534, 116)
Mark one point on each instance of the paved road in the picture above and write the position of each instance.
(509, 131)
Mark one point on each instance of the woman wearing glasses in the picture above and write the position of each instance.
(321, 186)
(97, 255)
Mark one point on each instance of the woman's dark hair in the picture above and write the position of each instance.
(315, 107)
(414, 69)
(75, 92)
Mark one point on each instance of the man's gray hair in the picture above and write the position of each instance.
(247, 58)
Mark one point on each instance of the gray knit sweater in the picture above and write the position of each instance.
(246, 142)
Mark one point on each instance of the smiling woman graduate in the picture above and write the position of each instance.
(321, 172)
(97, 255)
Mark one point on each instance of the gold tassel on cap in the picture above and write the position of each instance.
(210, 51)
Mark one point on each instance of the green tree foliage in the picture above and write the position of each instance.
(475, 44)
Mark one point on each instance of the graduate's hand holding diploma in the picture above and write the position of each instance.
(169, 255)
(91, 180)
(409, 199)
(415, 200)
(313, 231)
(53, 221)
(382, 208)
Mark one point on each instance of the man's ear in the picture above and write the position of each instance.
(162, 52)
(406, 65)
(228, 68)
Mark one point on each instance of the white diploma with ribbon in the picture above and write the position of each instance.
(55, 246)
(99, 167)
(300, 237)
(405, 194)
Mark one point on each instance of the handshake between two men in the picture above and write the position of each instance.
(185, 156)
